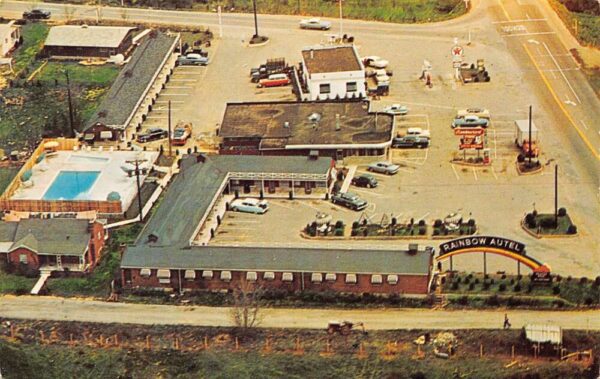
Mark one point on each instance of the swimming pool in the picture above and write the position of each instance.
(71, 185)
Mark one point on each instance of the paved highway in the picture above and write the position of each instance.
(58, 309)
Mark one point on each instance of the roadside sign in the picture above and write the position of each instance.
(457, 51)
(469, 131)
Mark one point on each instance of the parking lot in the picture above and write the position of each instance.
(428, 185)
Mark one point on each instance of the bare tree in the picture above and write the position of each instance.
(247, 304)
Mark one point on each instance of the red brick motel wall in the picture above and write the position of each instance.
(407, 284)
(96, 243)
(33, 261)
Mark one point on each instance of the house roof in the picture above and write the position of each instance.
(281, 124)
(57, 236)
(87, 36)
(280, 259)
(131, 85)
(320, 60)
(191, 193)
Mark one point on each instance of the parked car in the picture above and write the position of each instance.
(250, 206)
(274, 80)
(384, 168)
(396, 109)
(479, 112)
(410, 141)
(37, 14)
(364, 180)
(375, 61)
(349, 200)
(152, 134)
(192, 60)
(470, 122)
(197, 50)
(315, 23)
(181, 134)
(418, 132)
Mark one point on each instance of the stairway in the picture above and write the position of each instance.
(44, 275)
(348, 179)
(439, 299)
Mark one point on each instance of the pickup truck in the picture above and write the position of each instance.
(470, 122)
(349, 200)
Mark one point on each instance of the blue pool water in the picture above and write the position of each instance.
(71, 185)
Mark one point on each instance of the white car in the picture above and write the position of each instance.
(375, 61)
(315, 23)
(396, 109)
(479, 112)
(383, 168)
(419, 132)
(250, 206)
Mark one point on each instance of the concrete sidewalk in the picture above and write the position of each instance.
(70, 309)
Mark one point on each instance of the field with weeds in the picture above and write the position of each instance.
(126, 351)
(6, 176)
(584, 26)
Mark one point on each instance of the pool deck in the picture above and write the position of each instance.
(108, 163)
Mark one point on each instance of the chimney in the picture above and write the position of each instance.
(337, 122)
(312, 54)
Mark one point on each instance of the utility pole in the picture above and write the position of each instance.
(556, 196)
(170, 137)
(341, 20)
(70, 101)
(529, 145)
(255, 19)
(136, 162)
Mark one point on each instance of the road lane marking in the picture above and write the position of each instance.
(504, 10)
(172, 101)
(561, 72)
(523, 20)
(584, 125)
(527, 34)
(174, 94)
(560, 104)
(474, 173)
(533, 41)
(494, 173)
(179, 87)
(455, 173)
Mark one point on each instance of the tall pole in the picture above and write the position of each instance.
(71, 122)
(139, 188)
(170, 137)
(341, 20)
(220, 21)
(255, 19)
(556, 196)
(529, 148)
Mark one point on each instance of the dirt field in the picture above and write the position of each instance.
(100, 350)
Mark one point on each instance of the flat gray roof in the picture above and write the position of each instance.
(279, 259)
(87, 36)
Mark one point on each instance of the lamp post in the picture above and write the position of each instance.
(136, 162)
(70, 101)
(341, 19)
(255, 19)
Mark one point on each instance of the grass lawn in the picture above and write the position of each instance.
(98, 282)
(15, 284)
(544, 225)
(6, 176)
(34, 35)
(588, 26)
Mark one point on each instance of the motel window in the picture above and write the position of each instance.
(164, 276)
(145, 272)
(23, 258)
(351, 87)
(324, 88)
(269, 275)
(251, 276)
(226, 276)
(376, 279)
(207, 274)
(287, 277)
(189, 275)
(350, 278)
(330, 277)
(392, 279)
(316, 277)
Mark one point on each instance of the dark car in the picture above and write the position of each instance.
(410, 141)
(152, 134)
(37, 14)
(349, 200)
(364, 181)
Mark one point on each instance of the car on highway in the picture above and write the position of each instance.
(315, 23)
(375, 61)
(383, 168)
(410, 142)
(396, 109)
(192, 60)
(249, 205)
(152, 134)
(349, 200)
(364, 180)
(37, 14)
(479, 112)
(420, 132)
(470, 122)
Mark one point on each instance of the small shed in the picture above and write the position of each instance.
(544, 334)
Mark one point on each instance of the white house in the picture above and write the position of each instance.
(9, 37)
(330, 72)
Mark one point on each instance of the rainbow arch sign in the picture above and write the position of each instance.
(490, 244)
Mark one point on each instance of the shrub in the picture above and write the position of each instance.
(486, 286)
(493, 301)
(353, 233)
(467, 280)
(339, 224)
(454, 286)
(521, 158)
(458, 280)
(355, 225)
(476, 281)
(394, 221)
(517, 288)
(558, 278)
(569, 278)
(529, 218)
(572, 229)
(597, 281)
(547, 222)
(463, 300)
(502, 287)
(558, 303)
(588, 301)
(471, 286)
(512, 281)
(339, 232)
(503, 276)
(422, 230)
(583, 280)
(437, 223)
(471, 222)
(529, 288)
(562, 212)
(436, 232)
(421, 222)
(556, 290)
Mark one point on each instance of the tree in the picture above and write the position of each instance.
(247, 304)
